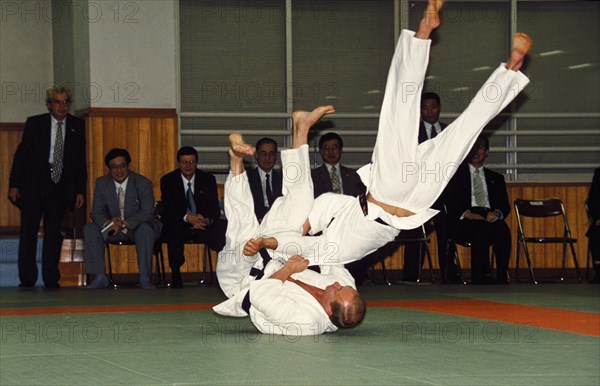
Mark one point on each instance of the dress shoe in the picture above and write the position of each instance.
(52, 285)
(147, 285)
(100, 281)
(26, 285)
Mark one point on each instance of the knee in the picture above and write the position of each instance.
(144, 231)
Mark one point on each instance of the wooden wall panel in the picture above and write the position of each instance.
(543, 255)
(10, 137)
(150, 136)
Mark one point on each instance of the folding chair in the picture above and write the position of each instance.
(545, 208)
(206, 255)
(423, 246)
(451, 247)
(159, 274)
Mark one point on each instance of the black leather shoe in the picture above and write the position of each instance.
(52, 285)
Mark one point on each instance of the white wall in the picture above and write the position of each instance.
(126, 60)
(132, 54)
(26, 66)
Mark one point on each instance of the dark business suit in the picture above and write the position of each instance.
(176, 232)
(257, 190)
(144, 229)
(351, 182)
(594, 231)
(481, 234)
(40, 197)
(448, 269)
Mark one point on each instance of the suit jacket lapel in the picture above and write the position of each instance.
(112, 201)
(198, 188)
(326, 177)
(47, 133)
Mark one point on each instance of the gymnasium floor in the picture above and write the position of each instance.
(520, 334)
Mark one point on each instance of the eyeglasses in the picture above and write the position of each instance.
(63, 102)
(117, 166)
(184, 162)
(331, 148)
(264, 154)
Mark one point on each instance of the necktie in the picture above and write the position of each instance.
(478, 190)
(57, 163)
(335, 181)
(121, 196)
(190, 199)
(269, 192)
(433, 132)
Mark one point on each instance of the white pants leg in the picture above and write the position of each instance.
(287, 215)
(412, 176)
(233, 266)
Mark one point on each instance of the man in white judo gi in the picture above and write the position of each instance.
(404, 177)
(281, 297)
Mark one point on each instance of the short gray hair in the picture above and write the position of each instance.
(57, 89)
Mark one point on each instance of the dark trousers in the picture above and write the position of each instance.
(411, 250)
(177, 235)
(50, 204)
(482, 235)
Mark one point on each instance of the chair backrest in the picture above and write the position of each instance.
(539, 208)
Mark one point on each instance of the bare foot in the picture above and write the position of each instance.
(431, 19)
(303, 121)
(239, 146)
(236, 153)
(521, 45)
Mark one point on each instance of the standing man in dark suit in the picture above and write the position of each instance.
(478, 205)
(124, 199)
(48, 175)
(265, 182)
(429, 127)
(190, 210)
(331, 176)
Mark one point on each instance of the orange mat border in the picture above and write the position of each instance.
(578, 322)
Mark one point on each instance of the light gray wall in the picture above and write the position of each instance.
(132, 55)
(110, 53)
(26, 65)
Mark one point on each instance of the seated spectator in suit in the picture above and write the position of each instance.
(477, 203)
(265, 182)
(594, 231)
(429, 127)
(124, 198)
(331, 176)
(190, 210)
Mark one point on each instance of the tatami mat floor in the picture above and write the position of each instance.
(412, 335)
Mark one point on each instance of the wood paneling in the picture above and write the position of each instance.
(10, 137)
(150, 136)
(543, 255)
